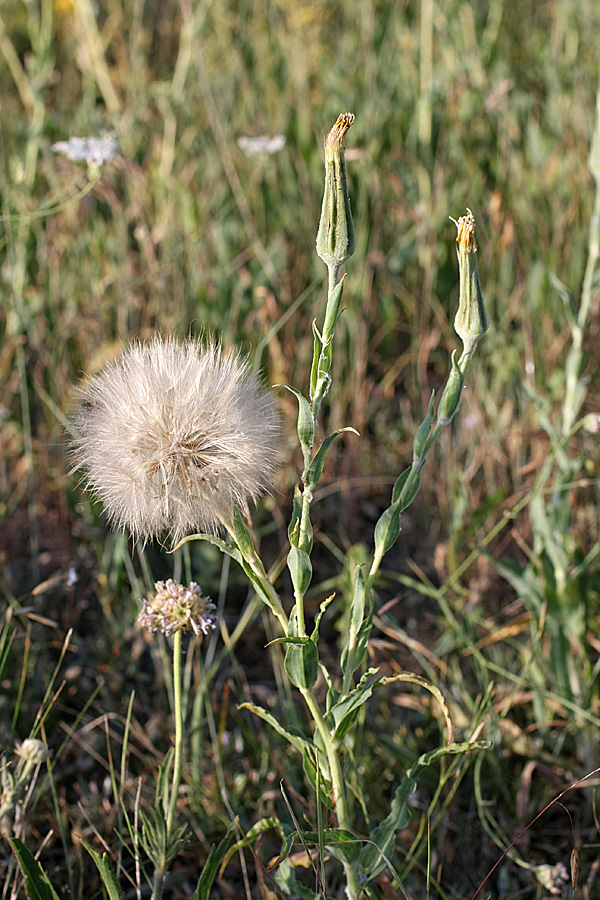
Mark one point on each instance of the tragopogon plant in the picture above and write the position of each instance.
(175, 438)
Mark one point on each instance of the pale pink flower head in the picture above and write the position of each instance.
(172, 435)
(174, 607)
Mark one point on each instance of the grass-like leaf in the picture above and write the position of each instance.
(109, 879)
(37, 883)
(295, 739)
(211, 866)
(373, 857)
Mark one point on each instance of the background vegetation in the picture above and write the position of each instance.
(493, 589)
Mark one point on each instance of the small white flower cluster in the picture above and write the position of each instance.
(553, 878)
(94, 150)
(254, 146)
(176, 608)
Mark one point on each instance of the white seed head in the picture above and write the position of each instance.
(171, 435)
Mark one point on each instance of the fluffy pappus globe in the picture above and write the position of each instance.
(171, 435)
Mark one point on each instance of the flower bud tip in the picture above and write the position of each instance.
(471, 321)
(334, 142)
(466, 232)
(335, 237)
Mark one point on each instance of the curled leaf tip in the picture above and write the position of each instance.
(466, 232)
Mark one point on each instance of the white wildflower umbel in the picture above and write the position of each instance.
(96, 151)
(173, 435)
(176, 608)
(263, 145)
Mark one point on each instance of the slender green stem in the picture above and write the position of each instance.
(299, 598)
(159, 880)
(332, 274)
(572, 404)
(160, 871)
(330, 321)
(178, 713)
(264, 589)
(415, 472)
(321, 387)
(337, 784)
(377, 557)
(307, 496)
(275, 601)
(335, 769)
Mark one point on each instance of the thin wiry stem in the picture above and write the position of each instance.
(338, 787)
(178, 715)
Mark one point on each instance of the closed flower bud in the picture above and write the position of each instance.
(335, 238)
(471, 321)
(32, 751)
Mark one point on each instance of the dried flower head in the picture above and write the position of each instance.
(176, 608)
(172, 435)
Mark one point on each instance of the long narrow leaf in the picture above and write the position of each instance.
(373, 857)
(316, 467)
(342, 715)
(306, 424)
(410, 678)
(268, 823)
(296, 740)
(106, 873)
(37, 883)
(212, 864)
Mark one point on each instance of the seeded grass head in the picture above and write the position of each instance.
(172, 435)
